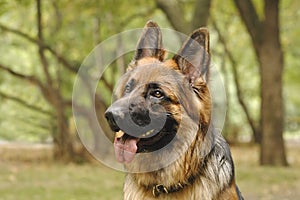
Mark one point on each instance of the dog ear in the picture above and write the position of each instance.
(193, 58)
(150, 43)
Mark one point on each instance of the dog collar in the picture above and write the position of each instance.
(161, 189)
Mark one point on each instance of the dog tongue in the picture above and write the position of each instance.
(125, 150)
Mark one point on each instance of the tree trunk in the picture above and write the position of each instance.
(271, 70)
(63, 140)
(272, 144)
(265, 37)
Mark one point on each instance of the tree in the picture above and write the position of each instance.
(50, 88)
(57, 58)
(265, 37)
(177, 17)
(255, 127)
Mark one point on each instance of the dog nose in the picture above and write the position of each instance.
(113, 115)
(139, 115)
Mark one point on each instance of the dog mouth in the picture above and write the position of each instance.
(127, 146)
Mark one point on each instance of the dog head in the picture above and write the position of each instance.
(154, 95)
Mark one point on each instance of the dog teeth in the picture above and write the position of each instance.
(148, 133)
(119, 134)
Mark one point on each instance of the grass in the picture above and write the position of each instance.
(267, 183)
(46, 180)
(33, 181)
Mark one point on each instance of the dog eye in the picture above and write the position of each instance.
(127, 89)
(157, 94)
(129, 86)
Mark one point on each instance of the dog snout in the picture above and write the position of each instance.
(113, 115)
(139, 114)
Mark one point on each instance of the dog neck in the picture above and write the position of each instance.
(159, 189)
(186, 178)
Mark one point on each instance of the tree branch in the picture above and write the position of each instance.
(201, 13)
(43, 59)
(31, 79)
(19, 33)
(251, 20)
(58, 56)
(174, 14)
(107, 84)
(136, 15)
(251, 121)
(25, 104)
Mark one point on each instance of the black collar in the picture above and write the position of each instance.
(161, 189)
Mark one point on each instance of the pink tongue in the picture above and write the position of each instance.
(125, 151)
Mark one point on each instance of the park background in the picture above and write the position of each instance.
(254, 45)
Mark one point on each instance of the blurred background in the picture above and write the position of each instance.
(254, 45)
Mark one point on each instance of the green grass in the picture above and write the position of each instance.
(267, 183)
(24, 180)
(19, 181)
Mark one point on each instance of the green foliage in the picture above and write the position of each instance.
(290, 42)
(73, 30)
(70, 29)
(239, 44)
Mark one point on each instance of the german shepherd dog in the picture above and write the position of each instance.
(162, 120)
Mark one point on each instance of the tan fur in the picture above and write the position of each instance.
(202, 154)
(214, 181)
(211, 185)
